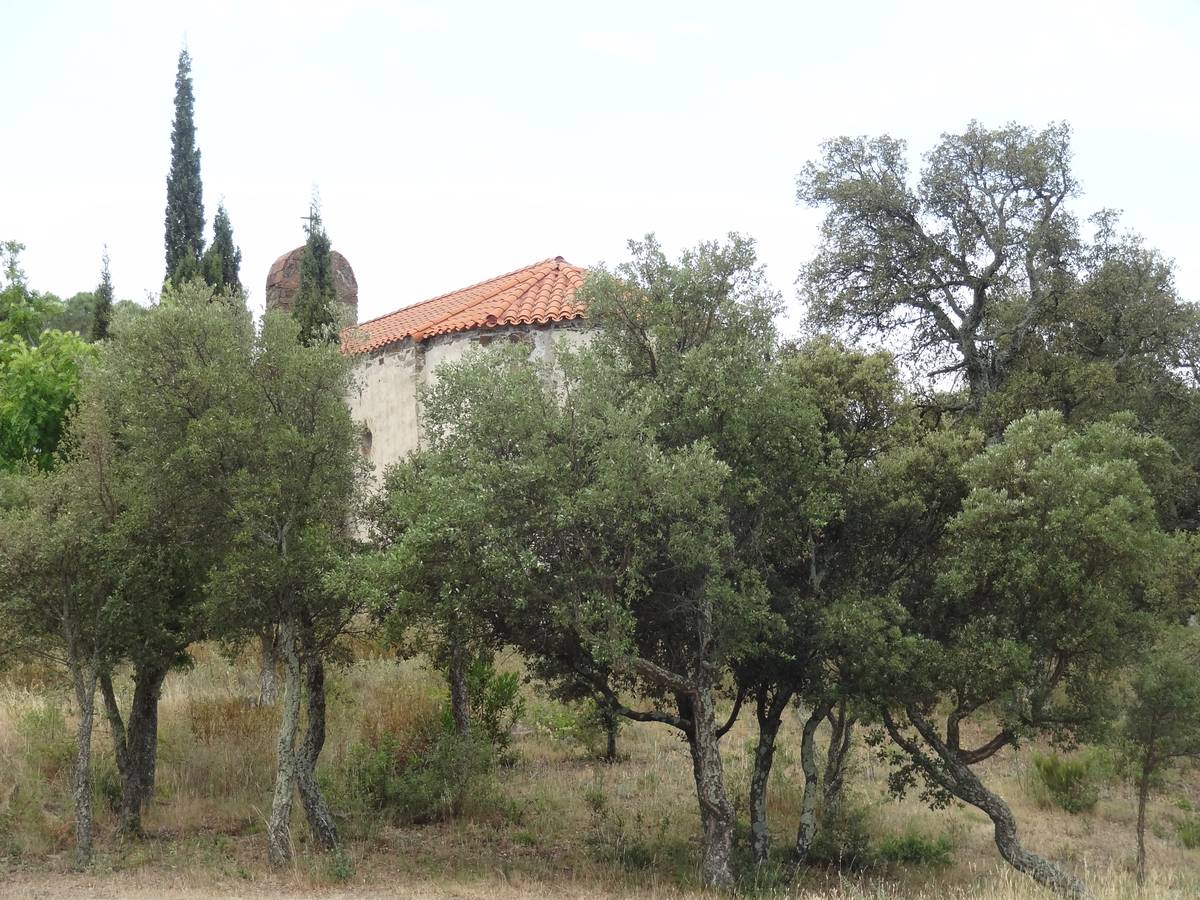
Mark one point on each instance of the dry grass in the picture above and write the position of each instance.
(563, 825)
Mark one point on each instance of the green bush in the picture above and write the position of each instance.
(106, 785)
(1070, 783)
(496, 704)
(915, 849)
(418, 781)
(1188, 832)
(844, 841)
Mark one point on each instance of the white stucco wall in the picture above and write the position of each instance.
(384, 399)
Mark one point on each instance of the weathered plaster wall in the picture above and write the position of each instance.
(385, 397)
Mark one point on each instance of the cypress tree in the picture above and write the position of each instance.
(185, 202)
(102, 312)
(223, 259)
(316, 299)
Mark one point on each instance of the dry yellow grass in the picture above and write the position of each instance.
(542, 838)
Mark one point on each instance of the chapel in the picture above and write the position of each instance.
(399, 353)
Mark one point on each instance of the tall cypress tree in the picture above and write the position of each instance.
(223, 259)
(102, 311)
(316, 299)
(185, 202)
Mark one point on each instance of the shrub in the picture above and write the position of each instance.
(1188, 832)
(496, 704)
(634, 845)
(915, 849)
(1070, 783)
(844, 841)
(416, 779)
(106, 785)
(49, 743)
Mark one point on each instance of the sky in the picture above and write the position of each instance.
(451, 142)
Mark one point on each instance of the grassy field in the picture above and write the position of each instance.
(556, 822)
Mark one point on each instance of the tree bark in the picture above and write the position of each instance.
(81, 787)
(1014, 853)
(316, 809)
(764, 756)
(460, 700)
(807, 829)
(279, 843)
(769, 711)
(960, 780)
(135, 745)
(840, 736)
(268, 666)
(612, 725)
(716, 810)
(1143, 797)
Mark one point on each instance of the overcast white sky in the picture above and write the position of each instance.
(455, 141)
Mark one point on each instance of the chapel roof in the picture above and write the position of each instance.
(537, 294)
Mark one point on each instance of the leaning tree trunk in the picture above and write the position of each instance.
(769, 711)
(807, 829)
(316, 809)
(81, 786)
(279, 843)
(716, 811)
(960, 780)
(268, 666)
(1014, 853)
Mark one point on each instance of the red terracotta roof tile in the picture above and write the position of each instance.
(537, 294)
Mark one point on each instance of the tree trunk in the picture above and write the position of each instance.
(807, 828)
(764, 756)
(320, 819)
(612, 725)
(268, 666)
(141, 737)
(81, 787)
(1036, 867)
(460, 700)
(135, 746)
(960, 780)
(279, 844)
(716, 811)
(840, 736)
(116, 728)
(1143, 797)
(769, 712)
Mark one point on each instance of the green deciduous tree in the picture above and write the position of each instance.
(185, 202)
(963, 262)
(168, 390)
(52, 593)
(290, 509)
(596, 520)
(1162, 722)
(39, 371)
(1048, 580)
